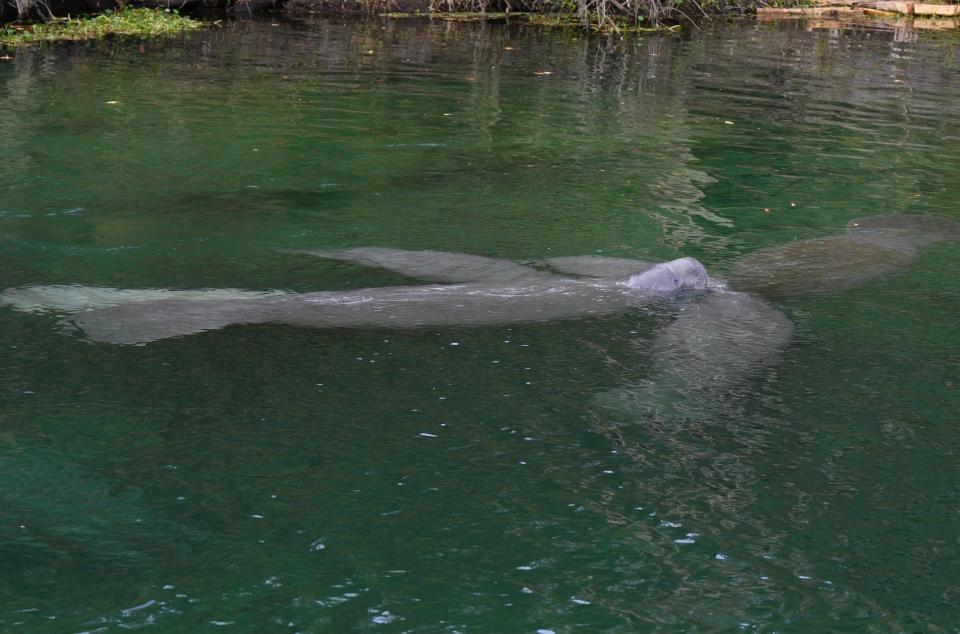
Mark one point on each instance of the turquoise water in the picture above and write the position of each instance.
(268, 478)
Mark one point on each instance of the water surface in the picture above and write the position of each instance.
(464, 480)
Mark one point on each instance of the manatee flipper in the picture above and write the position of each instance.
(73, 298)
(713, 345)
(597, 266)
(437, 266)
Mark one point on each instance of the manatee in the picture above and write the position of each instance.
(871, 247)
(733, 332)
(436, 266)
(726, 330)
(492, 292)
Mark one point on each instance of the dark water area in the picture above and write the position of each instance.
(273, 478)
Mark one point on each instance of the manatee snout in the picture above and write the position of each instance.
(677, 275)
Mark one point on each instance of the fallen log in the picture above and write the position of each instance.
(946, 10)
(812, 12)
(835, 8)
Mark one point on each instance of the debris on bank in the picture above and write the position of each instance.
(860, 8)
(897, 15)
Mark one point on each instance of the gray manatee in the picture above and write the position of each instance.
(724, 334)
(719, 337)
(871, 247)
(733, 333)
(478, 291)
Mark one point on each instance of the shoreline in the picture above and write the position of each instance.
(599, 15)
(126, 22)
(114, 19)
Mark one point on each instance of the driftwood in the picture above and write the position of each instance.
(847, 8)
(936, 24)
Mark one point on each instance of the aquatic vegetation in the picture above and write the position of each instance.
(131, 22)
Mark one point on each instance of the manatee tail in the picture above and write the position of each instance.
(134, 316)
(73, 298)
(145, 321)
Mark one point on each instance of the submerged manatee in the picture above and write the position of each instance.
(716, 340)
(871, 247)
(494, 292)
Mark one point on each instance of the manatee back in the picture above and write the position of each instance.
(816, 266)
(598, 266)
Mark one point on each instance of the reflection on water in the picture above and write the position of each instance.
(464, 479)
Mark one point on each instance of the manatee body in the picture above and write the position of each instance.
(720, 338)
(871, 247)
(479, 291)
(819, 265)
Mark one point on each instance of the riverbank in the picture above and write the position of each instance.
(140, 22)
(32, 21)
(605, 15)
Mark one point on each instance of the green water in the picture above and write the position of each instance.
(269, 478)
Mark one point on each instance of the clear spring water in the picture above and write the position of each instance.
(278, 479)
